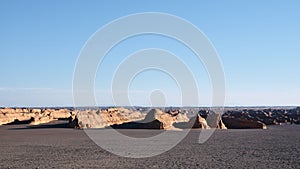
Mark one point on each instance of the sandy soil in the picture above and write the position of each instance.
(54, 146)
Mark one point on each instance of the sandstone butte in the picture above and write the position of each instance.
(156, 119)
(213, 120)
(127, 118)
(104, 118)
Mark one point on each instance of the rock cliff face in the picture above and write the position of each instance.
(200, 122)
(165, 120)
(221, 124)
(33, 116)
(156, 119)
(104, 118)
(214, 120)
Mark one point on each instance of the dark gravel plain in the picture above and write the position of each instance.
(54, 146)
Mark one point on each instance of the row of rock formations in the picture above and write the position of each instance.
(33, 116)
(152, 118)
(171, 120)
(110, 117)
(259, 118)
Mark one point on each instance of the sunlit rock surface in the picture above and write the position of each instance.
(105, 118)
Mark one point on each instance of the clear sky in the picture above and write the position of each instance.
(257, 41)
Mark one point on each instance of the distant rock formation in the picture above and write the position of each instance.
(171, 118)
(33, 116)
(268, 116)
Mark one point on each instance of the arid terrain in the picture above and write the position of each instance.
(245, 137)
(54, 146)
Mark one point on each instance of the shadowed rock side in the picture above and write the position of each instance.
(242, 123)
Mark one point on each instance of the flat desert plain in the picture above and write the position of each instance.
(55, 146)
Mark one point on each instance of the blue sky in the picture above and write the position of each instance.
(258, 43)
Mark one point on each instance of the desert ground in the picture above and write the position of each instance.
(53, 145)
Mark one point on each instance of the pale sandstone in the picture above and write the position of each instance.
(105, 118)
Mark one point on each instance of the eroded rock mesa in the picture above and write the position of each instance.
(104, 118)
